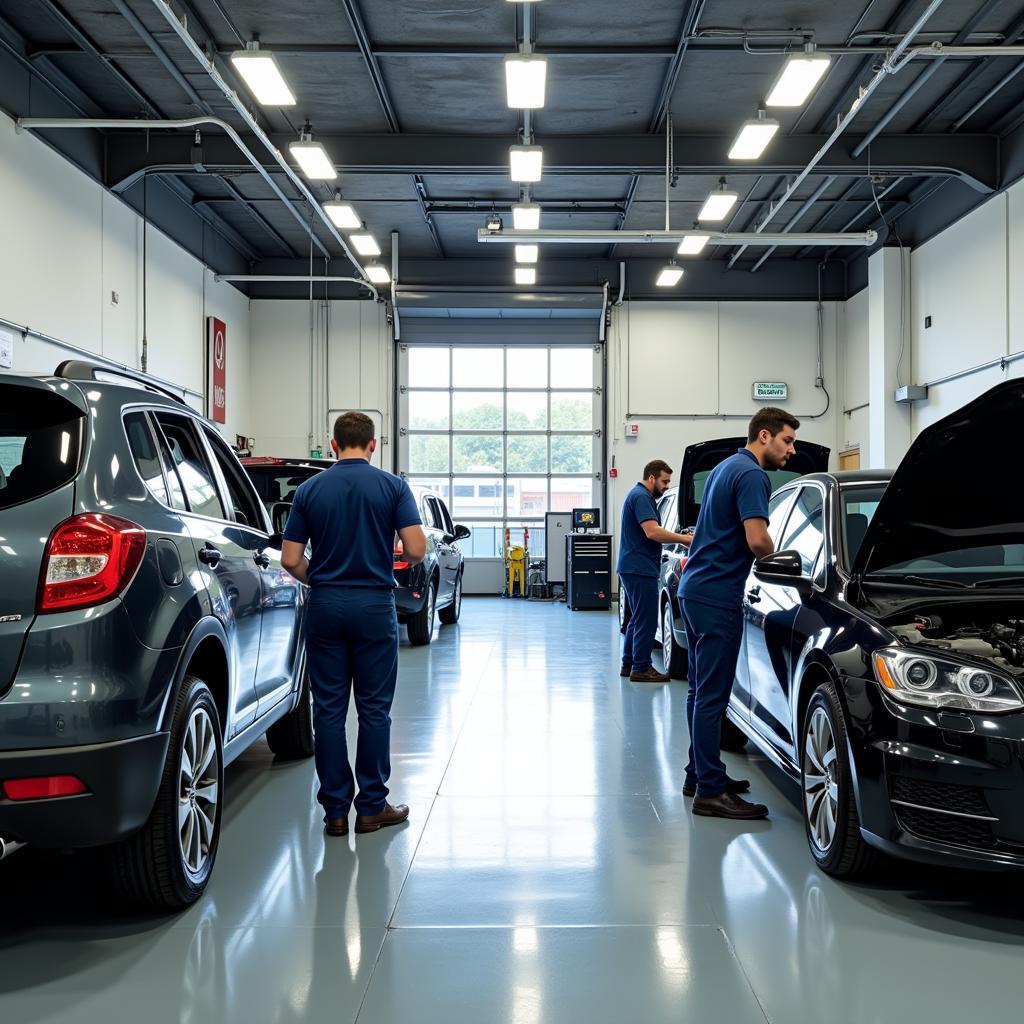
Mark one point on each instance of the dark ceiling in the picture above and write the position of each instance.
(408, 96)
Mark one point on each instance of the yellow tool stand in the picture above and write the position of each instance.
(516, 556)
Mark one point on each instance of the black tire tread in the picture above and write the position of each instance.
(421, 632)
(678, 664)
(292, 737)
(449, 615)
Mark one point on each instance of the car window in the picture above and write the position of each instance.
(279, 483)
(244, 503)
(438, 514)
(189, 461)
(428, 513)
(449, 526)
(804, 531)
(859, 506)
(146, 455)
(778, 511)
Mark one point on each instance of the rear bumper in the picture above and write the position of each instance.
(410, 600)
(122, 778)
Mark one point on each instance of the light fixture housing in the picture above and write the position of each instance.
(262, 74)
(494, 222)
(669, 276)
(717, 205)
(526, 216)
(798, 78)
(526, 275)
(343, 215)
(753, 138)
(366, 244)
(526, 77)
(314, 160)
(693, 244)
(377, 274)
(526, 163)
(527, 253)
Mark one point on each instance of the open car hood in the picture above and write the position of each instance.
(699, 459)
(956, 488)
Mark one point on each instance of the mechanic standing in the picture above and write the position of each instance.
(351, 513)
(639, 566)
(731, 530)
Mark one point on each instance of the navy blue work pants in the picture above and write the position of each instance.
(642, 594)
(352, 647)
(713, 637)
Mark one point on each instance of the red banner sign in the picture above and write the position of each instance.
(216, 347)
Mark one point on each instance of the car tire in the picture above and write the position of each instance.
(167, 864)
(734, 739)
(829, 808)
(421, 625)
(676, 657)
(293, 736)
(450, 614)
(623, 608)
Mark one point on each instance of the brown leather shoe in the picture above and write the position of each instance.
(625, 670)
(651, 675)
(728, 805)
(336, 826)
(389, 816)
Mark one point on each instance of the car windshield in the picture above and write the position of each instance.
(279, 483)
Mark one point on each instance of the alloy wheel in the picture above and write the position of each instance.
(667, 639)
(821, 780)
(458, 596)
(198, 792)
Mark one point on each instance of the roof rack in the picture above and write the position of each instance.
(78, 369)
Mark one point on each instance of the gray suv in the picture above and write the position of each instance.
(143, 641)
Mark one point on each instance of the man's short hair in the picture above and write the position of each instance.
(353, 430)
(656, 468)
(770, 419)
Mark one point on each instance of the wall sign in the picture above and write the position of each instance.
(6, 350)
(216, 382)
(770, 391)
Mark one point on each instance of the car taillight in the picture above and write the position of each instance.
(89, 559)
(400, 562)
(45, 787)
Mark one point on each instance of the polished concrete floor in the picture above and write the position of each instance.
(550, 872)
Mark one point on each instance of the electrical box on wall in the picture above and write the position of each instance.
(631, 430)
(911, 393)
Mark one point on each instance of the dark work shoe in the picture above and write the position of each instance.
(728, 805)
(389, 816)
(734, 786)
(650, 675)
(336, 826)
(626, 670)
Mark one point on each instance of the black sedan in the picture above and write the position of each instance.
(883, 657)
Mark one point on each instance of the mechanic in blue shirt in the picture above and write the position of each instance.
(731, 530)
(639, 566)
(351, 513)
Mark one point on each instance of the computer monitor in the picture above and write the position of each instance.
(586, 518)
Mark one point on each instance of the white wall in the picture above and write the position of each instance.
(68, 244)
(853, 375)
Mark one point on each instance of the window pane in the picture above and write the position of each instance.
(428, 410)
(476, 497)
(528, 410)
(428, 453)
(572, 454)
(146, 455)
(527, 367)
(534, 544)
(804, 529)
(192, 466)
(527, 497)
(528, 454)
(567, 494)
(428, 367)
(571, 412)
(434, 484)
(243, 502)
(481, 453)
(484, 542)
(476, 410)
(477, 368)
(572, 368)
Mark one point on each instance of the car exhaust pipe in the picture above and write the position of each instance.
(8, 847)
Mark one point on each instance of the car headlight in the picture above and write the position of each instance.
(932, 681)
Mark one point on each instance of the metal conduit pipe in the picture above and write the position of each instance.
(863, 238)
(394, 284)
(792, 222)
(302, 278)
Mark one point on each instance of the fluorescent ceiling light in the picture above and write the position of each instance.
(527, 253)
(670, 276)
(717, 205)
(263, 76)
(526, 275)
(526, 216)
(526, 162)
(342, 214)
(525, 78)
(692, 244)
(313, 159)
(799, 75)
(377, 274)
(366, 245)
(753, 139)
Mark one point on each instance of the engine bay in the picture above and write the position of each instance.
(999, 642)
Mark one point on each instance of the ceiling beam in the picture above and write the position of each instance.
(972, 158)
(355, 19)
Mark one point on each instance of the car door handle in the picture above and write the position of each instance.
(261, 559)
(754, 595)
(209, 555)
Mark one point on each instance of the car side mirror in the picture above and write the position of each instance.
(279, 515)
(462, 532)
(275, 541)
(784, 568)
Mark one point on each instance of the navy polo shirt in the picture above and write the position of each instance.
(637, 554)
(350, 513)
(720, 559)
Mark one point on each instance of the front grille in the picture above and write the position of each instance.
(944, 828)
(943, 795)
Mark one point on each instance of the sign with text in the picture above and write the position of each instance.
(770, 391)
(6, 350)
(216, 384)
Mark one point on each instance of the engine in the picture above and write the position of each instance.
(999, 642)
